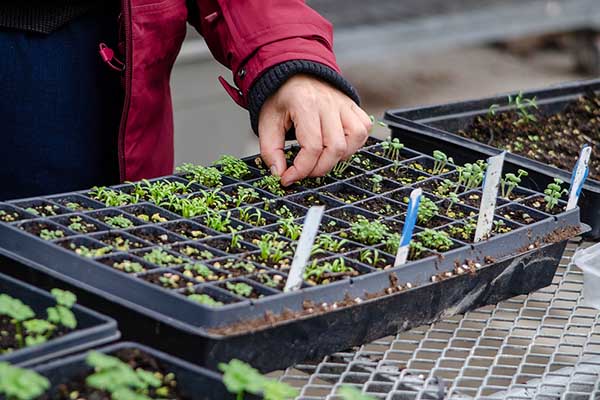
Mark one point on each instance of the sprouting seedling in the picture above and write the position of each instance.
(328, 242)
(111, 198)
(318, 268)
(235, 242)
(205, 299)
(272, 184)
(427, 210)
(392, 148)
(18, 312)
(368, 232)
(61, 313)
(446, 187)
(51, 234)
(440, 162)
(436, 240)
(452, 200)
(341, 167)
(351, 393)
(471, 174)
(510, 182)
(161, 258)
(119, 221)
(523, 106)
(120, 380)
(206, 176)
(241, 378)
(219, 222)
(376, 180)
(415, 250)
(252, 216)
(245, 195)
(21, 384)
(371, 257)
(492, 110)
(392, 242)
(239, 288)
(289, 228)
(233, 167)
(273, 249)
(553, 192)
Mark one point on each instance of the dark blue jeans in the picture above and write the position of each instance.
(59, 109)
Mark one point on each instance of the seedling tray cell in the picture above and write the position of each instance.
(220, 295)
(436, 127)
(193, 382)
(93, 329)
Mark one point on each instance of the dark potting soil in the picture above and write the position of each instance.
(167, 280)
(185, 229)
(455, 211)
(36, 228)
(154, 237)
(365, 182)
(345, 195)
(44, 209)
(9, 216)
(382, 206)
(119, 242)
(518, 215)
(434, 222)
(367, 161)
(315, 183)
(539, 203)
(403, 175)
(136, 359)
(274, 281)
(554, 139)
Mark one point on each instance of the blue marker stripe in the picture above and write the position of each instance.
(577, 167)
(410, 221)
(585, 175)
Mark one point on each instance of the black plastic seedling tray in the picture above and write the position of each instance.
(434, 127)
(193, 382)
(316, 320)
(92, 330)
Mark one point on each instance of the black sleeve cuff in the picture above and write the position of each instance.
(276, 76)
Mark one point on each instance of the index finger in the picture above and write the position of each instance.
(308, 134)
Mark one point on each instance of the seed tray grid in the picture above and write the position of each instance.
(538, 346)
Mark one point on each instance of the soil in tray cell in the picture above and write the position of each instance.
(316, 183)
(115, 219)
(254, 217)
(232, 244)
(188, 229)
(553, 139)
(372, 141)
(76, 203)
(402, 175)
(429, 166)
(240, 195)
(272, 185)
(344, 193)
(235, 267)
(373, 258)
(85, 247)
(322, 272)
(135, 359)
(351, 214)
(236, 169)
(200, 272)
(244, 289)
(374, 183)
(382, 206)
(465, 231)
(273, 260)
(209, 297)
(519, 214)
(440, 187)
(121, 241)
(167, 280)
(473, 199)
(456, 211)
(271, 280)
(539, 203)
(283, 209)
(155, 235)
(150, 214)
(393, 150)
(325, 242)
(126, 263)
(310, 199)
(42, 208)
(79, 224)
(220, 222)
(196, 252)
(44, 230)
(10, 214)
(8, 335)
(367, 161)
(344, 170)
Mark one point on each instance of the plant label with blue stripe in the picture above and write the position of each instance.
(491, 184)
(305, 245)
(409, 227)
(579, 176)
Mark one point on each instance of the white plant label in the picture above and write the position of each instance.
(491, 184)
(305, 245)
(579, 176)
(409, 226)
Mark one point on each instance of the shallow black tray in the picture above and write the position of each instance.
(432, 127)
(194, 382)
(93, 329)
(168, 320)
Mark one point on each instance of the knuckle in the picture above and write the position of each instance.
(338, 149)
(313, 149)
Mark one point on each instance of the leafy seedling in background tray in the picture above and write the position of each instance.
(510, 182)
(440, 162)
(376, 180)
(436, 240)
(61, 313)
(21, 384)
(111, 198)
(219, 222)
(240, 288)
(241, 378)
(553, 193)
(427, 210)
(368, 232)
(206, 176)
(49, 234)
(252, 216)
(523, 106)
(120, 380)
(392, 148)
(233, 167)
(272, 184)
(205, 300)
(289, 228)
(118, 221)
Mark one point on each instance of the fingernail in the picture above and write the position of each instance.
(274, 171)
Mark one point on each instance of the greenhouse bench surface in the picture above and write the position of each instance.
(545, 345)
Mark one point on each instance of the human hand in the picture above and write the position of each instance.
(329, 127)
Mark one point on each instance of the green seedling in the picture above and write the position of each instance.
(273, 249)
(205, 300)
(87, 252)
(240, 288)
(61, 313)
(119, 221)
(553, 192)
(376, 180)
(523, 106)
(370, 257)
(206, 176)
(415, 250)
(18, 312)
(329, 243)
(368, 232)
(471, 174)
(111, 198)
(392, 148)
(128, 266)
(289, 228)
(49, 234)
(161, 258)
(492, 110)
(427, 210)
(440, 162)
(318, 268)
(245, 195)
(21, 384)
(252, 216)
(233, 167)
(241, 378)
(436, 240)
(510, 181)
(272, 184)
(219, 222)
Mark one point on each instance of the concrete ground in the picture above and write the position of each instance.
(208, 123)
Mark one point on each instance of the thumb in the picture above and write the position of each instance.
(271, 135)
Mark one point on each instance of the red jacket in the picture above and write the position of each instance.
(247, 36)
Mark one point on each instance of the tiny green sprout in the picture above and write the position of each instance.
(245, 195)
(119, 221)
(392, 242)
(370, 257)
(368, 232)
(376, 180)
(523, 106)
(240, 288)
(252, 216)
(446, 188)
(205, 300)
(427, 210)
(48, 234)
(341, 167)
(61, 313)
(327, 242)
(273, 249)
(492, 110)
(440, 161)
(436, 240)
(392, 148)
(161, 258)
(510, 182)
(272, 184)
(233, 167)
(206, 176)
(18, 312)
(111, 198)
(21, 384)
(351, 393)
(289, 228)
(235, 242)
(452, 200)
(553, 192)
(415, 250)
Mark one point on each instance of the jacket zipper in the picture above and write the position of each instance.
(126, 15)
